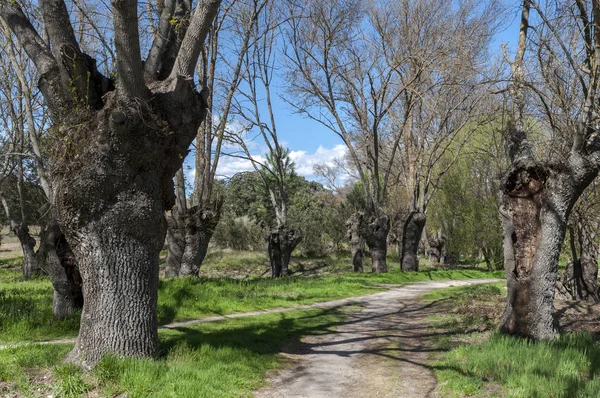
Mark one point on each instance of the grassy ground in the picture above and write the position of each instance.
(221, 359)
(26, 307)
(487, 364)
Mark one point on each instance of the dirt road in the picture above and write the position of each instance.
(380, 351)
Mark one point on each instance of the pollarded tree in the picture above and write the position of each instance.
(394, 82)
(558, 85)
(114, 156)
(220, 70)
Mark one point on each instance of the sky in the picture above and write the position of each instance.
(311, 143)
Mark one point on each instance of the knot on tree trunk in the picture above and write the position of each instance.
(281, 242)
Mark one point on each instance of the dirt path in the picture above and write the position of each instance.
(326, 304)
(381, 351)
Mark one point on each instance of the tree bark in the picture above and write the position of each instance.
(412, 228)
(200, 224)
(110, 200)
(30, 261)
(175, 243)
(281, 242)
(436, 248)
(536, 202)
(356, 241)
(375, 229)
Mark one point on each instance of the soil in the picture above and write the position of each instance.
(381, 351)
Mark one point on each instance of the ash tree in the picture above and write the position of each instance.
(113, 158)
(554, 81)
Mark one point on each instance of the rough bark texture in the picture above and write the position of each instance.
(30, 261)
(375, 229)
(111, 192)
(408, 244)
(281, 242)
(357, 243)
(536, 202)
(175, 243)
(200, 224)
(436, 248)
(64, 272)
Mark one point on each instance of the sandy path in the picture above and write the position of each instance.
(381, 351)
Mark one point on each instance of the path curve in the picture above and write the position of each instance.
(324, 305)
(381, 351)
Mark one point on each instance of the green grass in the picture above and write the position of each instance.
(502, 365)
(26, 306)
(568, 367)
(220, 359)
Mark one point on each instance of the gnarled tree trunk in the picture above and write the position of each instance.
(375, 228)
(281, 242)
(30, 261)
(436, 248)
(536, 202)
(110, 201)
(200, 224)
(175, 243)
(63, 270)
(408, 242)
(356, 241)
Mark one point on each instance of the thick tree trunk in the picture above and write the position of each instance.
(375, 229)
(536, 203)
(175, 244)
(409, 243)
(63, 270)
(30, 261)
(281, 242)
(111, 200)
(200, 224)
(356, 241)
(436, 248)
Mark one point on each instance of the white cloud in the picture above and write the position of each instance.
(305, 161)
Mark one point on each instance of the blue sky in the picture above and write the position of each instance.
(310, 142)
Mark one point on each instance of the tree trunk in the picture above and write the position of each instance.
(200, 224)
(281, 242)
(175, 243)
(436, 247)
(356, 241)
(110, 200)
(535, 206)
(30, 261)
(409, 243)
(580, 279)
(375, 229)
(64, 272)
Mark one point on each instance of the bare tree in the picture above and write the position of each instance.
(252, 101)
(558, 86)
(54, 255)
(396, 83)
(114, 155)
(222, 63)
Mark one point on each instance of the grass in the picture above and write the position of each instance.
(568, 367)
(505, 366)
(26, 306)
(220, 359)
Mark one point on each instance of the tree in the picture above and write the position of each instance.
(114, 154)
(543, 183)
(25, 118)
(394, 82)
(222, 60)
